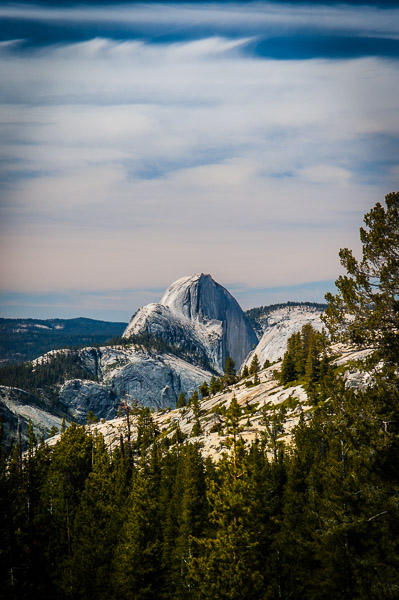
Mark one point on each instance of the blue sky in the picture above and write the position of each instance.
(141, 142)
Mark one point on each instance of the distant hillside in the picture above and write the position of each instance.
(26, 339)
(256, 316)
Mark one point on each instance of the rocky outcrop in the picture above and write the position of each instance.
(78, 397)
(278, 326)
(17, 408)
(198, 313)
(148, 378)
(153, 380)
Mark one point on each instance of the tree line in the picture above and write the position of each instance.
(153, 519)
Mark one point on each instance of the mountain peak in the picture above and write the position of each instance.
(198, 313)
(197, 297)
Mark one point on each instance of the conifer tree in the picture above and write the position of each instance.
(137, 565)
(71, 463)
(245, 372)
(147, 431)
(365, 311)
(214, 386)
(204, 390)
(288, 371)
(95, 521)
(181, 401)
(229, 371)
(254, 367)
(227, 564)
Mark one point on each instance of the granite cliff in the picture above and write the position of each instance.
(197, 313)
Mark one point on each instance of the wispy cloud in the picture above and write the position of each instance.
(132, 163)
(257, 16)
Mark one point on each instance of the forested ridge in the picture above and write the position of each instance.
(22, 340)
(313, 518)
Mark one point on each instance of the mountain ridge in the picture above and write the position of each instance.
(168, 348)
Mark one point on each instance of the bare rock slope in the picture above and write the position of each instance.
(279, 325)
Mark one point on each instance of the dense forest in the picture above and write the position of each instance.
(316, 518)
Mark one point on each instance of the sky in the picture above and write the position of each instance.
(144, 141)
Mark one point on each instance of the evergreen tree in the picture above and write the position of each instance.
(147, 431)
(227, 564)
(254, 367)
(192, 518)
(214, 386)
(71, 463)
(137, 566)
(229, 371)
(204, 390)
(181, 401)
(288, 371)
(194, 401)
(365, 311)
(245, 372)
(98, 523)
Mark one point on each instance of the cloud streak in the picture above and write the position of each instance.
(257, 16)
(128, 163)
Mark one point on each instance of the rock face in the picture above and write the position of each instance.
(17, 408)
(278, 326)
(198, 315)
(152, 379)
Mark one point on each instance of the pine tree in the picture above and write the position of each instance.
(254, 367)
(228, 564)
(95, 529)
(192, 518)
(71, 463)
(245, 372)
(204, 390)
(214, 386)
(365, 311)
(147, 431)
(288, 371)
(229, 371)
(137, 565)
(181, 401)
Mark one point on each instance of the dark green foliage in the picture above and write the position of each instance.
(228, 562)
(229, 371)
(303, 357)
(181, 401)
(317, 521)
(194, 404)
(366, 309)
(245, 372)
(147, 431)
(204, 390)
(216, 385)
(254, 366)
